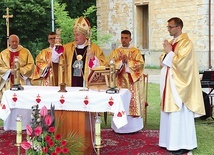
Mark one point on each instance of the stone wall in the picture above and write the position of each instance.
(113, 16)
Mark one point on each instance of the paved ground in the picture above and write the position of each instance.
(153, 74)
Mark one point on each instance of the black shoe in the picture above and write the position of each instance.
(180, 152)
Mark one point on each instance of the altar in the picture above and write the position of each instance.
(82, 105)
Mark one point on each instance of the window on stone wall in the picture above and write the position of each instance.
(142, 16)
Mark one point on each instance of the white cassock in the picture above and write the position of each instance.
(177, 129)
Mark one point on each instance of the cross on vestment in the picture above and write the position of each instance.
(7, 16)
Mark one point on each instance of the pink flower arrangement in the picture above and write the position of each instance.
(41, 137)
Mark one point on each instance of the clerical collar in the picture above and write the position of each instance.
(13, 50)
(82, 46)
(126, 47)
(174, 40)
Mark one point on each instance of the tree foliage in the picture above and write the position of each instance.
(77, 7)
(64, 22)
(31, 22)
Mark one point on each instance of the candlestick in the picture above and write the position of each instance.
(16, 86)
(16, 71)
(112, 78)
(98, 131)
(112, 74)
(63, 84)
(98, 134)
(19, 129)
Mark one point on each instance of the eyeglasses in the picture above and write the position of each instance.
(51, 38)
(171, 27)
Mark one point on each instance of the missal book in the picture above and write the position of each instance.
(99, 78)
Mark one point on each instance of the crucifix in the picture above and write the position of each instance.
(7, 16)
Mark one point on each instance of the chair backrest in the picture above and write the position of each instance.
(145, 77)
(145, 87)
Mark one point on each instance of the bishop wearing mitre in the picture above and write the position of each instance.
(80, 52)
(76, 61)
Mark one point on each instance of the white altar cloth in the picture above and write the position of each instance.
(72, 100)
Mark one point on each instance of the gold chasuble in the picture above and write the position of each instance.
(131, 79)
(45, 73)
(185, 82)
(70, 55)
(74, 68)
(6, 63)
(68, 59)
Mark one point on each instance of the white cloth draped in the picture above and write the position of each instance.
(10, 123)
(72, 100)
(134, 123)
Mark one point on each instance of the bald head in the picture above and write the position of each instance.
(13, 41)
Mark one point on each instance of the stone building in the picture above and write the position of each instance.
(147, 20)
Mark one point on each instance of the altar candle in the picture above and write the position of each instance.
(97, 132)
(19, 129)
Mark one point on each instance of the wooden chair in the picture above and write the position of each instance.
(145, 89)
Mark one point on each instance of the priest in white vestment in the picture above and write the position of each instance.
(181, 93)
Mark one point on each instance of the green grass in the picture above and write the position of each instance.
(204, 129)
(152, 67)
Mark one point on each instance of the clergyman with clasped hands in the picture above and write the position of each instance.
(181, 93)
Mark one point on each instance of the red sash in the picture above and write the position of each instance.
(164, 90)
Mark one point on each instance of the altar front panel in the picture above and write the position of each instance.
(81, 123)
